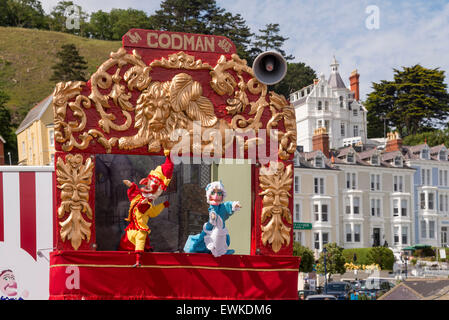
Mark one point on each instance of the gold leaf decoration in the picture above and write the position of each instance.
(181, 60)
(275, 182)
(74, 179)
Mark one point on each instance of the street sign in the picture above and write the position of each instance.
(302, 226)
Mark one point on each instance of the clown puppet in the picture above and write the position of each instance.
(142, 208)
(215, 237)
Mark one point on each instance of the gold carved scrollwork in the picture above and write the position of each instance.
(74, 178)
(276, 182)
(163, 107)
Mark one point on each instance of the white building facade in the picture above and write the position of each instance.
(330, 104)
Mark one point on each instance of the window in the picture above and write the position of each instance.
(320, 107)
(316, 211)
(319, 163)
(395, 207)
(341, 102)
(398, 183)
(375, 207)
(431, 201)
(356, 202)
(375, 160)
(296, 184)
(348, 233)
(375, 182)
(326, 105)
(297, 212)
(324, 213)
(319, 123)
(342, 129)
(316, 237)
(404, 235)
(52, 138)
(325, 236)
(327, 125)
(404, 206)
(351, 179)
(319, 185)
(443, 155)
(357, 233)
(356, 130)
(425, 154)
(350, 158)
(422, 198)
(355, 112)
(442, 178)
(396, 235)
(423, 229)
(398, 161)
(348, 205)
(432, 229)
(425, 177)
(441, 202)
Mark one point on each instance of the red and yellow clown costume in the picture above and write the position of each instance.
(142, 208)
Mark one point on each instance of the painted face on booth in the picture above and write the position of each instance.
(216, 197)
(8, 284)
(152, 190)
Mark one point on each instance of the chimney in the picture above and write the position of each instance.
(320, 141)
(354, 81)
(394, 142)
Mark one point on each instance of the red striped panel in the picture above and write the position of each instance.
(27, 182)
(2, 221)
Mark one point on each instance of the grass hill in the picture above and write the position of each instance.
(26, 58)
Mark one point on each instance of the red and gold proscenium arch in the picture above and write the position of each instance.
(156, 83)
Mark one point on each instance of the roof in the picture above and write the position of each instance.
(335, 81)
(35, 113)
(419, 289)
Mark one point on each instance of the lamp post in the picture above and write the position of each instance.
(325, 270)
(9, 155)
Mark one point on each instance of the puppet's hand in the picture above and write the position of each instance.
(236, 206)
(166, 204)
(212, 217)
(128, 183)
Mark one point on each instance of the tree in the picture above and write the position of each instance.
(26, 14)
(416, 100)
(335, 261)
(382, 256)
(307, 257)
(58, 18)
(270, 39)
(298, 76)
(71, 66)
(204, 17)
(6, 129)
(100, 25)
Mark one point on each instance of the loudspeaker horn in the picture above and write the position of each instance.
(270, 67)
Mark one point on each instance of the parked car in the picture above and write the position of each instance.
(340, 289)
(321, 297)
(303, 294)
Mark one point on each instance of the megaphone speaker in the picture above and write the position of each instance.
(270, 67)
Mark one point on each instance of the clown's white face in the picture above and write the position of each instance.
(152, 190)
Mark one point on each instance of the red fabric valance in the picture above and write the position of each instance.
(110, 275)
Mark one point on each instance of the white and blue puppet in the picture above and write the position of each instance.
(215, 237)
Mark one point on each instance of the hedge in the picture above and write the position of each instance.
(384, 257)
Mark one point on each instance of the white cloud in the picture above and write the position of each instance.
(410, 31)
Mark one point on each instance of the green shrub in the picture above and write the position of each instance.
(307, 257)
(384, 257)
(362, 255)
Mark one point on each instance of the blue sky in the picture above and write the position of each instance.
(409, 32)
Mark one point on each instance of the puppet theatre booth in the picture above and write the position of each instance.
(149, 200)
